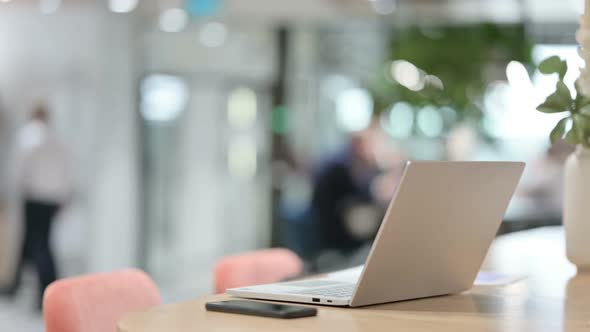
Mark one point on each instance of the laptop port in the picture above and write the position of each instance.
(315, 299)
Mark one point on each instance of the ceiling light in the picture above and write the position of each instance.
(122, 6)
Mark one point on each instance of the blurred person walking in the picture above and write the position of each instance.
(45, 183)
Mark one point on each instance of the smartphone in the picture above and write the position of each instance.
(261, 309)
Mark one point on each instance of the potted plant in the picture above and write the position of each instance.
(574, 127)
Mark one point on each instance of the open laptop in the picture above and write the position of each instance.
(432, 241)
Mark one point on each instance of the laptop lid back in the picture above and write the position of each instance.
(437, 230)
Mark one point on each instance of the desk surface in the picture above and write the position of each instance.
(552, 298)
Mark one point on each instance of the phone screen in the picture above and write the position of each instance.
(261, 309)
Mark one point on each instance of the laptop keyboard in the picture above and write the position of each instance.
(333, 291)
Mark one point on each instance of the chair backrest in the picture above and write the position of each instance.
(95, 303)
(258, 267)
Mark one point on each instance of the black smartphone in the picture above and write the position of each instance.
(261, 309)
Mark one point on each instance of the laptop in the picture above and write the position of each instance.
(433, 239)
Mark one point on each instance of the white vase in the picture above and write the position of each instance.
(576, 207)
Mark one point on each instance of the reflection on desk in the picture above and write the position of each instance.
(552, 298)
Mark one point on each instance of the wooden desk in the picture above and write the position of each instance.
(553, 298)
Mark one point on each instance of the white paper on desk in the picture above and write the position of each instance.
(484, 278)
(487, 278)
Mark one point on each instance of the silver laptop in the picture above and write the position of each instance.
(432, 241)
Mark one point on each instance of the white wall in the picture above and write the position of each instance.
(210, 213)
(81, 62)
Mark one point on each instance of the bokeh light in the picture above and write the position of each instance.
(430, 122)
(203, 7)
(163, 97)
(242, 158)
(173, 20)
(518, 77)
(242, 108)
(213, 34)
(354, 108)
(434, 81)
(122, 6)
(400, 122)
(408, 75)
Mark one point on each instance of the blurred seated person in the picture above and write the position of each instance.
(352, 189)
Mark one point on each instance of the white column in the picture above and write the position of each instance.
(112, 191)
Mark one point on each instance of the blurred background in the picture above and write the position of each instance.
(201, 128)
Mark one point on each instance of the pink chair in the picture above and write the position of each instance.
(258, 267)
(95, 303)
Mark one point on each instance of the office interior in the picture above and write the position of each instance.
(197, 128)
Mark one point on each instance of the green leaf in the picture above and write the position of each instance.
(563, 92)
(570, 137)
(582, 122)
(584, 110)
(559, 130)
(581, 101)
(563, 70)
(552, 65)
(554, 104)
